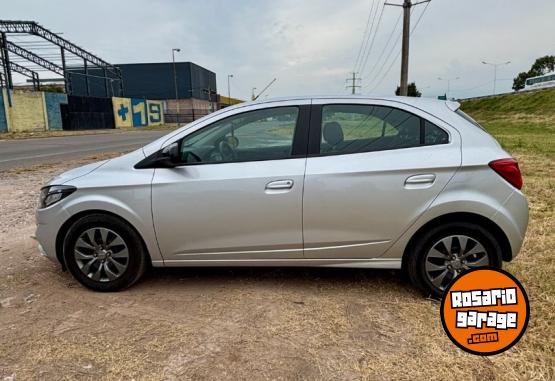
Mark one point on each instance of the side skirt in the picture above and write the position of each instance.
(373, 263)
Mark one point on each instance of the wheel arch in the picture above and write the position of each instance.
(485, 222)
(62, 232)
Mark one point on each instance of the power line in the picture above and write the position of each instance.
(364, 39)
(399, 53)
(373, 38)
(389, 55)
(407, 6)
(385, 46)
(377, 76)
(370, 32)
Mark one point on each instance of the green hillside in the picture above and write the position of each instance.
(523, 123)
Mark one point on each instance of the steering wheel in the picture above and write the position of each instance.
(227, 152)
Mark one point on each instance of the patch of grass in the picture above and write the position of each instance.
(538, 103)
(523, 123)
(523, 137)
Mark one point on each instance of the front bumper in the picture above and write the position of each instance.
(49, 221)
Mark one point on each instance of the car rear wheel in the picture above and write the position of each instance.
(444, 252)
(104, 253)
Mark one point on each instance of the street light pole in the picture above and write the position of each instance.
(229, 76)
(495, 65)
(448, 83)
(175, 84)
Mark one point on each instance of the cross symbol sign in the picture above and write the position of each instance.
(122, 112)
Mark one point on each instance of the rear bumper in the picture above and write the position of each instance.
(512, 218)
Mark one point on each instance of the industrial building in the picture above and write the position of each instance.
(97, 94)
(188, 89)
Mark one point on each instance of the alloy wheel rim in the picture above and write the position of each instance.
(101, 254)
(452, 255)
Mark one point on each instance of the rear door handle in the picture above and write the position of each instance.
(279, 184)
(426, 179)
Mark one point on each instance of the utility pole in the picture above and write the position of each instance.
(495, 65)
(404, 90)
(407, 5)
(175, 85)
(354, 80)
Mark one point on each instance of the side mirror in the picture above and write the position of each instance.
(172, 153)
(168, 157)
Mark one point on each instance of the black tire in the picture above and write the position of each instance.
(415, 265)
(136, 261)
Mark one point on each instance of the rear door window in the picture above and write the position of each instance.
(365, 128)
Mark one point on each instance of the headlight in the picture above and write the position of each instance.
(52, 194)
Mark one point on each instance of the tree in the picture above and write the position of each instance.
(412, 90)
(520, 81)
(541, 66)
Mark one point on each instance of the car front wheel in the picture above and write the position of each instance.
(104, 253)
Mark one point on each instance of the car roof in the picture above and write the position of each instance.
(428, 104)
(437, 108)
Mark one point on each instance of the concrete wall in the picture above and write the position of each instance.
(52, 103)
(27, 112)
(137, 112)
(155, 112)
(140, 117)
(39, 111)
(31, 111)
(122, 112)
(188, 109)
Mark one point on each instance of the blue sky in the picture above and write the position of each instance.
(309, 46)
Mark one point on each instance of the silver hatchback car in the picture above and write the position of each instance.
(388, 183)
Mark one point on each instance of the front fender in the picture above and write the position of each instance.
(135, 210)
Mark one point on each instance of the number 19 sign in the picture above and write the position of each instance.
(137, 112)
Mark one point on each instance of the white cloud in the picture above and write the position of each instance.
(310, 46)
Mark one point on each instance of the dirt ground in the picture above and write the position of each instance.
(235, 324)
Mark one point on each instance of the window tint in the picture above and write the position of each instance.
(434, 135)
(255, 135)
(362, 128)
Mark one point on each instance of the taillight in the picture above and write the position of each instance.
(509, 170)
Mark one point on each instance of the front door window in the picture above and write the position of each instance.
(252, 136)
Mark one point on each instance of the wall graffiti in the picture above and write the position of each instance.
(137, 112)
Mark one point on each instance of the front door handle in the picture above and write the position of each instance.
(427, 179)
(279, 184)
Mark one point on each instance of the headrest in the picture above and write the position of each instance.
(333, 133)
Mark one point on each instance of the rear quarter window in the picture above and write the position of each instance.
(434, 135)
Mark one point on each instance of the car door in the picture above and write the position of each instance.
(238, 193)
(372, 170)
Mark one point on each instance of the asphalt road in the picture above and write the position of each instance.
(23, 152)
